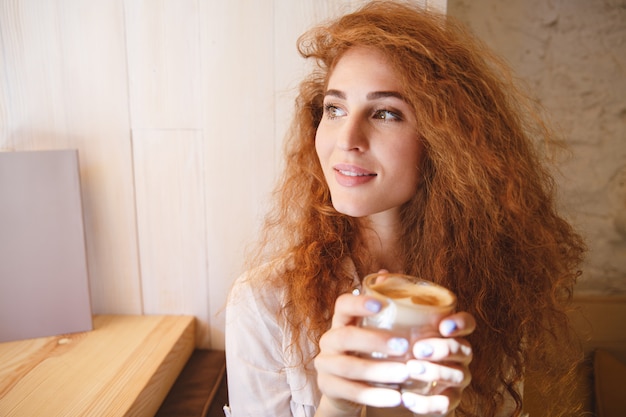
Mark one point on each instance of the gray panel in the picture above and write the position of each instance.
(43, 268)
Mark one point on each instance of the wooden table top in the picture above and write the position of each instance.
(124, 367)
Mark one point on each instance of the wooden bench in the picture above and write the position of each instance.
(601, 323)
(200, 390)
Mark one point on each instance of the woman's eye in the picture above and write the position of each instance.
(333, 111)
(386, 115)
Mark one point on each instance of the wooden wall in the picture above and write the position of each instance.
(177, 108)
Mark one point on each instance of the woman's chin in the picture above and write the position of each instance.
(351, 210)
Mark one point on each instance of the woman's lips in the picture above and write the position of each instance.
(352, 175)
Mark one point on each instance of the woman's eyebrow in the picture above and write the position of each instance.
(384, 94)
(370, 96)
(336, 93)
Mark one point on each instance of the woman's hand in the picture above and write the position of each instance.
(445, 363)
(342, 374)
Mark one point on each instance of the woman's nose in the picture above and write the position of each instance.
(353, 136)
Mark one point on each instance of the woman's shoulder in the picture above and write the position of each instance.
(264, 275)
(260, 285)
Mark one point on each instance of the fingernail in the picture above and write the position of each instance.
(448, 326)
(416, 368)
(423, 350)
(398, 345)
(373, 305)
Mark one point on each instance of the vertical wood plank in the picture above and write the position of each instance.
(164, 63)
(63, 78)
(238, 65)
(166, 114)
(292, 19)
(169, 184)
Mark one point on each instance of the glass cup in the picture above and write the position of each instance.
(411, 308)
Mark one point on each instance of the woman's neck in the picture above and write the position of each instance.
(381, 237)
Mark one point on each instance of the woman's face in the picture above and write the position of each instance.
(367, 140)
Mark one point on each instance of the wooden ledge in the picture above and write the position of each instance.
(124, 367)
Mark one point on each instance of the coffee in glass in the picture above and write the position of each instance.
(411, 308)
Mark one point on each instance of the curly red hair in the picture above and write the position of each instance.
(483, 222)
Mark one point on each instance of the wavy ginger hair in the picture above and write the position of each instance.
(482, 223)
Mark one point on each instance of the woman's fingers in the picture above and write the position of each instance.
(337, 355)
(342, 373)
(447, 374)
(362, 369)
(432, 404)
(458, 324)
(436, 349)
(363, 340)
(358, 392)
(347, 374)
(349, 307)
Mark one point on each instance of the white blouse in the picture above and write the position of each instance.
(265, 375)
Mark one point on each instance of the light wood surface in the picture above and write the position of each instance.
(124, 367)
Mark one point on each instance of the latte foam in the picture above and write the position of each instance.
(407, 303)
(406, 292)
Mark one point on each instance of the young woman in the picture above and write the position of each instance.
(411, 151)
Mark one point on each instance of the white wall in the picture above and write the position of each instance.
(177, 108)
